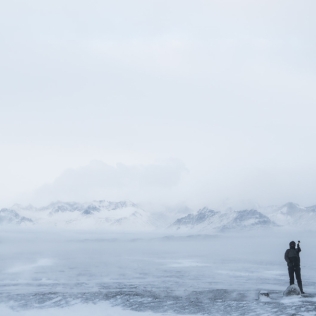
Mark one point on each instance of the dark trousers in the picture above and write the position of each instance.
(297, 270)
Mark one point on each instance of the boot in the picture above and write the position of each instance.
(300, 285)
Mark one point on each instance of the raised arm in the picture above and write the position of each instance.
(298, 248)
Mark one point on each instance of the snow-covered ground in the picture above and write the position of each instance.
(57, 272)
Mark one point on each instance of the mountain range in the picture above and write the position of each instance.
(128, 216)
(207, 220)
(291, 214)
(8, 216)
(123, 215)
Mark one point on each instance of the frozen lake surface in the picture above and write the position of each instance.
(83, 273)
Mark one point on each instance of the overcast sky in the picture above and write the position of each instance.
(193, 102)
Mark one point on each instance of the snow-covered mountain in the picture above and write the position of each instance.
(123, 215)
(207, 220)
(8, 216)
(292, 215)
(127, 216)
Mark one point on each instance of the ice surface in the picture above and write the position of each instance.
(57, 272)
(101, 309)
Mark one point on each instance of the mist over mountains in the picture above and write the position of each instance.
(125, 216)
(207, 220)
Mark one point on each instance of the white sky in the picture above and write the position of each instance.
(217, 95)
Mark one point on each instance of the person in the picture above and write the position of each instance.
(292, 257)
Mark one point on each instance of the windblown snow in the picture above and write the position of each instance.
(68, 272)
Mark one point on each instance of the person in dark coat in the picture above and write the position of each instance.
(292, 257)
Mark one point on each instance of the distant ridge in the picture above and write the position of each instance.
(214, 221)
(122, 215)
(128, 216)
(292, 214)
(8, 216)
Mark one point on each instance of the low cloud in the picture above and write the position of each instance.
(99, 180)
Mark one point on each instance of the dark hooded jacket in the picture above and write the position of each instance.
(292, 256)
